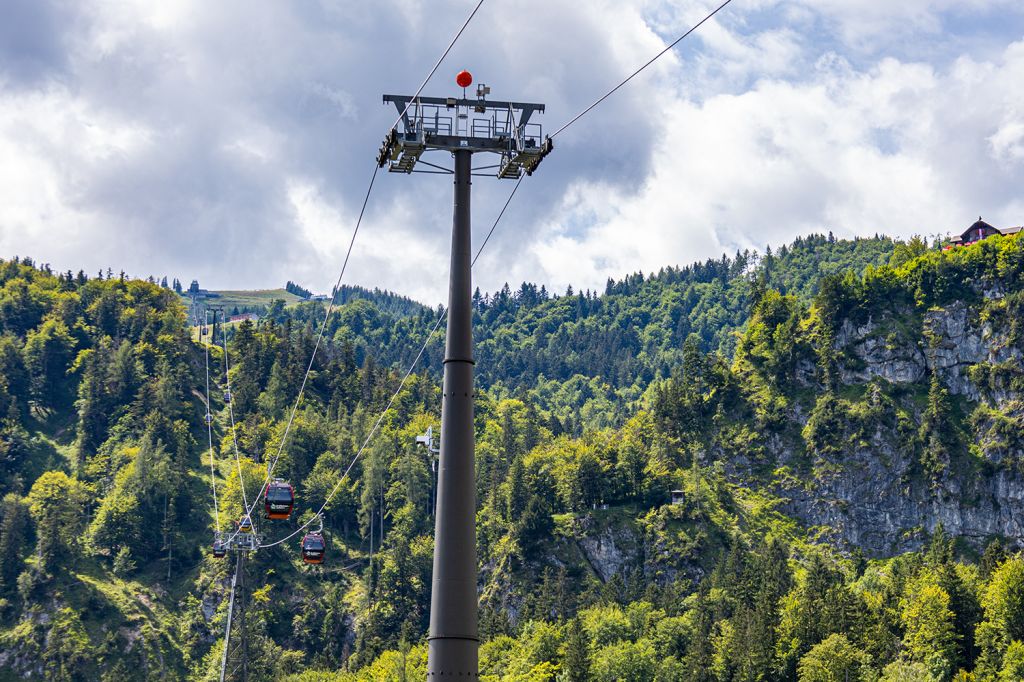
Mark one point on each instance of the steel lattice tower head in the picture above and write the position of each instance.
(455, 124)
(461, 127)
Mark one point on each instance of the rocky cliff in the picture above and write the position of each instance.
(870, 491)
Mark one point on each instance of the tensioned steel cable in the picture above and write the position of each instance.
(366, 441)
(231, 412)
(438, 63)
(348, 253)
(637, 72)
(209, 416)
(441, 317)
(227, 629)
(497, 220)
(316, 346)
(401, 385)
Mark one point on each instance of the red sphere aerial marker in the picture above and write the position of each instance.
(464, 79)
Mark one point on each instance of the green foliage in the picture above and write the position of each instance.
(905, 671)
(772, 344)
(15, 536)
(48, 353)
(56, 503)
(938, 432)
(1013, 662)
(930, 636)
(1003, 624)
(904, 252)
(818, 606)
(935, 278)
(627, 661)
(605, 625)
(575, 653)
(590, 409)
(67, 648)
(834, 659)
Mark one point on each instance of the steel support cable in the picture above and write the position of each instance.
(401, 385)
(637, 72)
(438, 63)
(366, 441)
(209, 420)
(316, 346)
(487, 238)
(501, 214)
(231, 412)
(348, 253)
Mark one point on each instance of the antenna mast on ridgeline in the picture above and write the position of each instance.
(461, 127)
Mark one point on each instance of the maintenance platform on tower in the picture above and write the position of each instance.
(454, 124)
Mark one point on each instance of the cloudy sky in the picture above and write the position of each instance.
(233, 141)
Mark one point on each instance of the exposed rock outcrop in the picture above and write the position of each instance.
(874, 495)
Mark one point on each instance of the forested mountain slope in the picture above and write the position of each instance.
(589, 356)
(843, 420)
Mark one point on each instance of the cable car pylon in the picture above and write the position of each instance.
(234, 665)
(461, 127)
(235, 661)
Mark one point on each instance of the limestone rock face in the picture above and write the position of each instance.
(609, 550)
(657, 546)
(875, 503)
(876, 355)
(873, 495)
(950, 340)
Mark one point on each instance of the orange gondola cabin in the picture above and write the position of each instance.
(279, 499)
(313, 548)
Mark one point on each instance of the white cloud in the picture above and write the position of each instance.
(871, 25)
(51, 143)
(899, 149)
(233, 142)
(1008, 142)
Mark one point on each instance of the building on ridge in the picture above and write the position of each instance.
(978, 231)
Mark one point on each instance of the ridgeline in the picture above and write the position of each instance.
(806, 465)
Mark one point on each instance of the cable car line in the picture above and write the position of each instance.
(637, 72)
(209, 424)
(497, 220)
(231, 413)
(401, 385)
(316, 346)
(227, 630)
(438, 64)
(366, 441)
(348, 253)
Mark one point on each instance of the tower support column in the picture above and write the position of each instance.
(453, 637)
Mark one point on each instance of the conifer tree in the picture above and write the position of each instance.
(576, 656)
(15, 526)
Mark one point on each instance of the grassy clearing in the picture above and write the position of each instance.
(241, 298)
